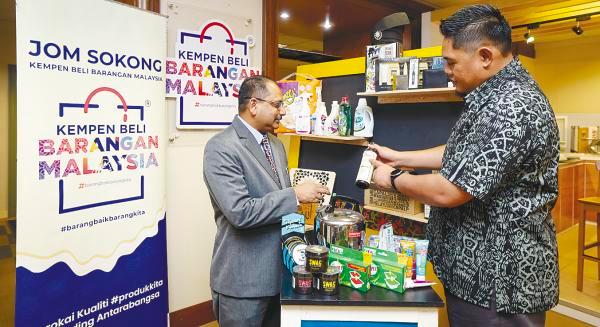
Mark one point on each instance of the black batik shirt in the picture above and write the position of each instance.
(504, 152)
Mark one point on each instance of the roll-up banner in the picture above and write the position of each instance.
(91, 244)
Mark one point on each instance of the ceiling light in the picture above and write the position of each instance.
(577, 29)
(327, 24)
(284, 15)
(529, 38)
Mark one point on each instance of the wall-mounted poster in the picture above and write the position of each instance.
(91, 249)
(206, 74)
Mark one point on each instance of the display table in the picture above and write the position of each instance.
(378, 307)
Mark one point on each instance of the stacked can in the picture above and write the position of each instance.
(323, 278)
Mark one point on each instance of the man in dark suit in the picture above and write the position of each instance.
(246, 175)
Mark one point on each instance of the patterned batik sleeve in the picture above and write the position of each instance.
(490, 152)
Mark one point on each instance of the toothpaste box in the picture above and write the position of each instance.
(354, 265)
(388, 270)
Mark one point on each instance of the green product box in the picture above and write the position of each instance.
(355, 267)
(386, 269)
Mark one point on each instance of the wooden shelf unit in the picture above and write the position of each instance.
(420, 217)
(444, 94)
(352, 140)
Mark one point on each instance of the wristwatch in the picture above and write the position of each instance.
(395, 174)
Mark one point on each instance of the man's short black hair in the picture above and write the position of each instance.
(255, 86)
(471, 25)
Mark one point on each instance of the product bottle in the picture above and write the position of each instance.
(345, 120)
(303, 116)
(320, 116)
(331, 123)
(363, 119)
(365, 171)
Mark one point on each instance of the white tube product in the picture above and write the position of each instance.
(303, 116)
(365, 171)
(421, 258)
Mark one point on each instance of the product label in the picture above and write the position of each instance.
(365, 171)
(329, 285)
(343, 125)
(359, 123)
(315, 264)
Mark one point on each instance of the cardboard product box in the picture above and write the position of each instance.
(392, 201)
(374, 53)
(355, 267)
(386, 269)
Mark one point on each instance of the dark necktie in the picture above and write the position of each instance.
(267, 149)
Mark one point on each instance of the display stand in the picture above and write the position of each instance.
(377, 307)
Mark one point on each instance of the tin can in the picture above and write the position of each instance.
(302, 280)
(316, 258)
(328, 283)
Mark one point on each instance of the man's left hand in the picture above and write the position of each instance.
(381, 175)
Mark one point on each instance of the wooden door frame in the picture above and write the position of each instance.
(270, 33)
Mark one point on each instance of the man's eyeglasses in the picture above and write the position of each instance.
(275, 104)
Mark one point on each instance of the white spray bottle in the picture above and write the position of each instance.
(331, 123)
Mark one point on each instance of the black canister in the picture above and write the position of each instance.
(316, 258)
(328, 283)
(302, 280)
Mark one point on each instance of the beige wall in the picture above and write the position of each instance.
(7, 56)
(190, 223)
(569, 73)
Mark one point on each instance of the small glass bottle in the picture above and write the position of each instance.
(365, 171)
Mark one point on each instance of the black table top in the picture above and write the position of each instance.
(376, 296)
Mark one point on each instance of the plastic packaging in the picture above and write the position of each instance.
(386, 237)
(331, 123)
(421, 258)
(345, 121)
(365, 171)
(320, 117)
(363, 119)
(408, 248)
(293, 243)
(303, 116)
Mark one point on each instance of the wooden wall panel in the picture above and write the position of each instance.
(592, 180)
(270, 38)
(579, 190)
(566, 190)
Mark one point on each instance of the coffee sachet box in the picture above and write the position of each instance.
(388, 269)
(354, 265)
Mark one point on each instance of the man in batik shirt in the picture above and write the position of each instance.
(492, 238)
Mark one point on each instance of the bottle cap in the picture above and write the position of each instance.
(345, 99)
(362, 102)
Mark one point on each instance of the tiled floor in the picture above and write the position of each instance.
(7, 274)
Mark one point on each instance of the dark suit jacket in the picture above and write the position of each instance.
(248, 203)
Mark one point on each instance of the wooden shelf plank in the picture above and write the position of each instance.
(443, 94)
(352, 140)
(420, 217)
